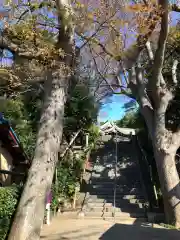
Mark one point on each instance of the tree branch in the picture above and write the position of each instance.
(152, 21)
(160, 111)
(138, 89)
(97, 30)
(33, 7)
(151, 57)
(160, 52)
(99, 71)
(119, 85)
(6, 44)
(174, 68)
(70, 144)
(149, 51)
(94, 40)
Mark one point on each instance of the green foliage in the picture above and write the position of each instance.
(81, 111)
(8, 202)
(24, 113)
(132, 120)
(69, 171)
(93, 131)
(67, 179)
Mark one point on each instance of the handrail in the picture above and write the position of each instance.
(2, 171)
(84, 171)
(115, 179)
(149, 168)
(142, 150)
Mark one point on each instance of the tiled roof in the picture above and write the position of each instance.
(111, 127)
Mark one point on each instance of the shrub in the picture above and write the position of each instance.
(68, 178)
(8, 201)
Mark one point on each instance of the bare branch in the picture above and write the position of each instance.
(151, 57)
(124, 73)
(149, 51)
(93, 40)
(33, 7)
(97, 30)
(100, 82)
(99, 71)
(119, 85)
(174, 68)
(143, 99)
(70, 144)
(160, 52)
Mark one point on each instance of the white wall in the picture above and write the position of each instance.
(5, 164)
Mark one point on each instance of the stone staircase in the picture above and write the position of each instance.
(119, 197)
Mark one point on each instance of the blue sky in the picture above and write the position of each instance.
(112, 108)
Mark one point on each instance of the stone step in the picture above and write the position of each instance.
(118, 188)
(111, 165)
(106, 193)
(120, 167)
(123, 170)
(127, 209)
(102, 183)
(111, 176)
(118, 201)
(118, 196)
(111, 184)
(122, 219)
(122, 204)
(112, 179)
(117, 214)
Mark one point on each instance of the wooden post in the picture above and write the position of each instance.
(56, 177)
(48, 210)
(87, 139)
(48, 206)
(75, 196)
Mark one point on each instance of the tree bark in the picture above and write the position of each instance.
(30, 212)
(165, 145)
(170, 187)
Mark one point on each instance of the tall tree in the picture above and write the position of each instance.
(152, 91)
(55, 60)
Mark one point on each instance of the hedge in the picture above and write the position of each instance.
(9, 197)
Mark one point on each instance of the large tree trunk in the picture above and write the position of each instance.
(30, 212)
(165, 144)
(169, 181)
(153, 97)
